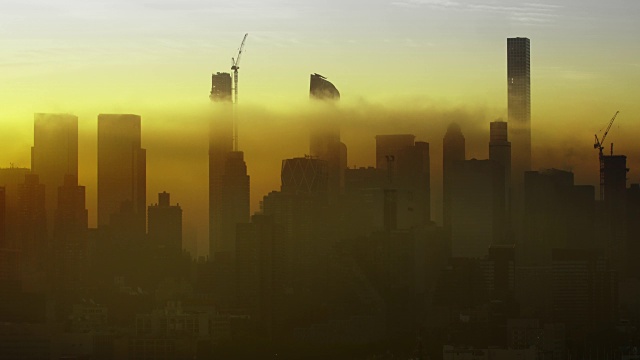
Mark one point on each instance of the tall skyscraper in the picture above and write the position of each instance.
(453, 150)
(325, 137)
(519, 103)
(228, 179)
(70, 236)
(54, 155)
(31, 232)
(500, 152)
(121, 171)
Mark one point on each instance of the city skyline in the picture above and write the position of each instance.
(428, 192)
(559, 98)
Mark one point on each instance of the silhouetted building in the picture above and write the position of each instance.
(221, 87)
(54, 154)
(558, 214)
(220, 146)
(453, 150)
(70, 237)
(235, 199)
(165, 224)
(500, 152)
(324, 141)
(321, 88)
(121, 173)
(305, 175)
(614, 209)
(477, 207)
(407, 165)
(31, 234)
(11, 179)
(519, 103)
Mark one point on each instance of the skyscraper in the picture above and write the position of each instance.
(325, 137)
(406, 164)
(70, 236)
(224, 214)
(453, 150)
(304, 176)
(500, 152)
(519, 103)
(121, 171)
(54, 155)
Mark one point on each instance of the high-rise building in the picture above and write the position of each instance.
(121, 171)
(11, 178)
(70, 237)
(453, 150)
(519, 103)
(557, 215)
(54, 155)
(325, 137)
(500, 152)
(221, 87)
(477, 207)
(235, 200)
(31, 232)
(407, 166)
(165, 224)
(220, 146)
(615, 210)
(304, 176)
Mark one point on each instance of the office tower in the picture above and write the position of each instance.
(220, 87)
(70, 237)
(407, 166)
(220, 146)
(453, 150)
(165, 224)
(615, 210)
(325, 136)
(54, 154)
(519, 103)
(31, 231)
(557, 214)
(500, 152)
(121, 173)
(304, 176)
(477, 207)
(235, 200)
(10, 179)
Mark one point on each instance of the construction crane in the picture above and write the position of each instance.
(599, 145)
(235, 65)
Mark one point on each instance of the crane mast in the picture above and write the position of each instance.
(599, 144)
(235, 65)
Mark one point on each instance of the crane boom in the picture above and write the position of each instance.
(235, 65)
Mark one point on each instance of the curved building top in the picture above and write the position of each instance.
(322, 89)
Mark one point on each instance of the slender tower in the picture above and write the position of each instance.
(324, 142)
(519, 103)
